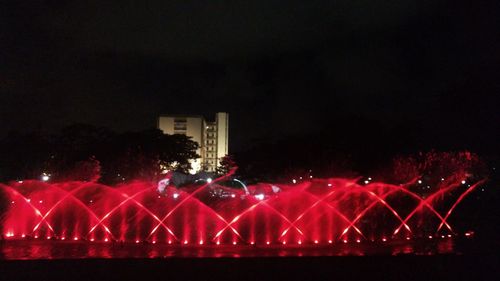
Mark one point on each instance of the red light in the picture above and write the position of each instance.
(408, 238)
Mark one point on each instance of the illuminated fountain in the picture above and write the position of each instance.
(318, 211)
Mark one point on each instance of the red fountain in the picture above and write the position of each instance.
(318, 211)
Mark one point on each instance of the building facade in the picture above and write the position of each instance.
(212, 136)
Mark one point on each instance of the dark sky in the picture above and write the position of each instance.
(278, 67)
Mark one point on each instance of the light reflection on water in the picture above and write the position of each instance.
(34, 249)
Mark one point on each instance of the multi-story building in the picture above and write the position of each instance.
(212, 136)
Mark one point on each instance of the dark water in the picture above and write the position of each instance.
(40, 249)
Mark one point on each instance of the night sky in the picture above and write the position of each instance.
(280, 68)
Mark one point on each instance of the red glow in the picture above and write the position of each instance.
(305, 211)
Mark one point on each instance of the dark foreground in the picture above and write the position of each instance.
(440, 267)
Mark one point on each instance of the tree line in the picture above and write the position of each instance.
(89, 153)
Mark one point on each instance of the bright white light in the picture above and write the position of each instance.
(367, 182)
(419, 181)
(45, 177)
(259, 196)
(442, 179)
(20, 181)
(209, 180)
(175, 195)
(233, 195)
(310, 177)
(369, 179)
(329, 184)
(294, 181)
(463, 182)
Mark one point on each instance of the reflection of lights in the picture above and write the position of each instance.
(154, 242)
(137, 241)
(218, 242)
(259, 196)
(175, 195)
(75, 238)
(201, 242)
(300, 242)
(330, 241)
(384, 239)
(430, 236)
(367, 182)
(169, 241)
(45, 177)
(251, 243)
(369, 178)
(294, 181)
(234, 243)
(106, 239)
(316, 241)
(358, 241)
(407, 238)
(64, 238)
(185, 242)
(209, 180)
(12, 202)
(268, 242)
(345, 241)
(92, 239)
(449, 235)
(463, 182)
(420, 181)
(23, 235)
(329, 185)
(233, 195)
